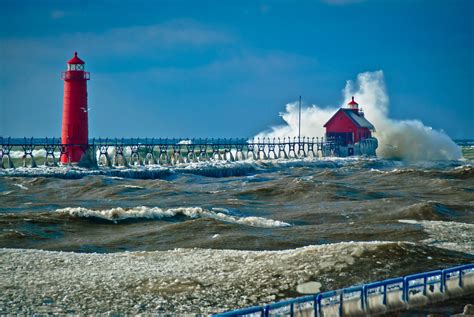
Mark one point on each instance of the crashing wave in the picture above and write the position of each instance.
(407, 140)
(208, 169)
(142, 212)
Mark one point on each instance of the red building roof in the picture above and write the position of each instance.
(358, 120)
(75, 60)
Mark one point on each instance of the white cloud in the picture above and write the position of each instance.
(148, 39)
(247, 66)
(177, 32)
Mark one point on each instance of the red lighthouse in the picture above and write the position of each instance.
(75, 129)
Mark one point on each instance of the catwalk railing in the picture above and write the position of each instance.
(386, 296)
(130, 152)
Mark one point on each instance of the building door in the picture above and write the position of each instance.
(350, 151)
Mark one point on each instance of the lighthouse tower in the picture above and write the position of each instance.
(75, 129)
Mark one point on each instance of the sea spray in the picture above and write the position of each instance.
(314, 118)
(398, 139)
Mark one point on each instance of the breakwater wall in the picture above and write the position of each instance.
(144, 151)
(392, 295)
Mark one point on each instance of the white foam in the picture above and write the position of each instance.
(457, 236)
(208, 168)
(77, 172)
(142, 212)
(398, 139)
(131, 186)
(21, 186)
(35, 153)
(186, 142)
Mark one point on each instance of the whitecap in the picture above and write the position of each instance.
(143, 212)
(21, 186)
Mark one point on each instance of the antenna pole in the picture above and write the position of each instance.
(299, 121)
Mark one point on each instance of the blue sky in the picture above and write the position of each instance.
(227, 68)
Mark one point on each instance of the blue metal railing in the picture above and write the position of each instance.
(422, 284)
(330, 299)
(289, 307)
(382, 288)
(416, 283)
(244, 312)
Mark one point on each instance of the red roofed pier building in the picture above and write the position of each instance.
(350, 133)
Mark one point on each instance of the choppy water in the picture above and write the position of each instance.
(224, 235)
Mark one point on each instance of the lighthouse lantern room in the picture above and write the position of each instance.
(75, 131)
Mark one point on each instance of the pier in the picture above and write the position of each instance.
(113, 152)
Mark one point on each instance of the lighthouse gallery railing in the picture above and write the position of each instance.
(71, 75)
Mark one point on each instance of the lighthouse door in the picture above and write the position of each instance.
(350, 151)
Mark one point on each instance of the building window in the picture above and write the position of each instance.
(75, 67)
(340, 137)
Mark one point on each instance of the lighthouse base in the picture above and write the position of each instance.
(365, 147)
(72, 153)
(89, 159)
(83, 156)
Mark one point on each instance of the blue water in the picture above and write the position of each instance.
(415, 216)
